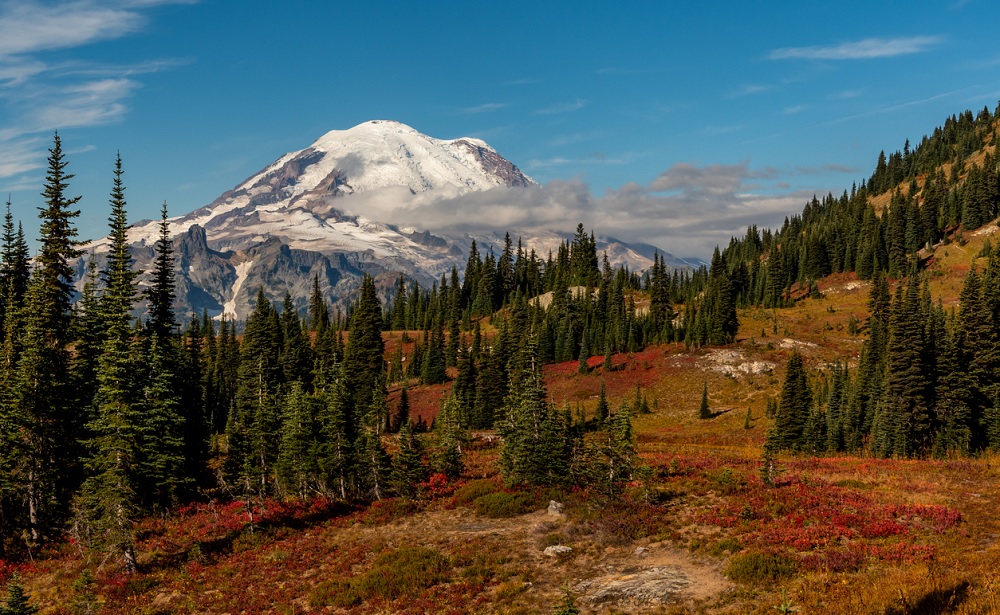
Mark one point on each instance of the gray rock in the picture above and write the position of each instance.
(557, 550)
(555, 508)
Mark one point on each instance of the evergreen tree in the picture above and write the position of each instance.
(47, 423)
(295, 465)
(110, 499)
(794, 407)
(374, 463)
(451, 436)
(17, 602)
(408, 469)
(704, 412)
(334, 448)
(161, 320)
(618, 452)
(252, 431)
(535, 445)
(603, 409)
(364, 366)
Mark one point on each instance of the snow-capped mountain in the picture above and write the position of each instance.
(314, 213)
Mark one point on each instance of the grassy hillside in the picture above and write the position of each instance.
(698, 532)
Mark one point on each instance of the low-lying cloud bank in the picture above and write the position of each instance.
(686, 210)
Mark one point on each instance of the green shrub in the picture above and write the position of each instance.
(337, 592)
(506, 504)
(757, 567)
(726, 544)
(475, 489)
(403, 572)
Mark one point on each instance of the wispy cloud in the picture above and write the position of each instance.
(574, 138)
(594, 158)
(38, 96)
(827, 168)
(749, 90)
(793, 110)
(847, 94)
(569, 107)
(859, 50)
(894, 107)
(484, 108)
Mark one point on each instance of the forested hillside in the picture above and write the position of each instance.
(107, 420)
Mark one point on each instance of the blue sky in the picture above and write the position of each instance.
(674, 123)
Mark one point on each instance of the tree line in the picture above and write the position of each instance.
(105, 418)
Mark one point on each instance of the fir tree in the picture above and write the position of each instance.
(109, 500)
(451, 436)
(295, 465)
(618, 452)
(704, 412)
(603, 409)
(408, 469)
(160, 295)
(49, 468)
(17, 602)
(535, 445)
(793, 407)
(334, 449)
(364, 366)
(374, 463)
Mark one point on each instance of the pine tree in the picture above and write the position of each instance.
(567, 606)
(618, 452)
(58, 241)
(408, 469)
(296, 464)
(109, 500)
(451, 436)
(49, 469)
(793, 407)
(296, 362)
(18, 602)
(535, 445)
(160, 295)
(704, 412)
(252, 431)
(334, 449)
(374, 463)
(364, 366)
(603, 409)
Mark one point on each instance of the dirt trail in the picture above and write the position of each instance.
(642, 577)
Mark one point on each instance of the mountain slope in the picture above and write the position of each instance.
(308, 214)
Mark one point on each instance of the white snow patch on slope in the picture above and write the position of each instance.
(229, 309)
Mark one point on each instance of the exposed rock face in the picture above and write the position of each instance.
(286, 225)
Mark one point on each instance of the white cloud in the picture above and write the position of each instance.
(749, 90)
(858, 50)
(38, 97)
(484, 108)
(687, 210)
(27, 27)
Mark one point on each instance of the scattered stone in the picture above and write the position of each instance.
(640, 552)
(661, 585)
(557, 550)
(555, 508)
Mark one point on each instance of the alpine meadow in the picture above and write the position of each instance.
(809, 421)
(452, 308)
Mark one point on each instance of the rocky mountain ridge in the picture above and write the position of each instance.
(304, 216)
